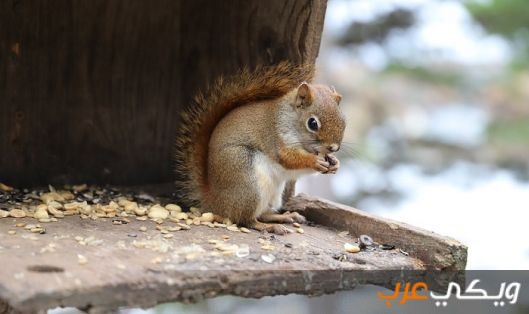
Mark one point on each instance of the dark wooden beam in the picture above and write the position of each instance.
(90, 91)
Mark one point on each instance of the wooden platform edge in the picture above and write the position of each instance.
(436, 251)
(439, 255)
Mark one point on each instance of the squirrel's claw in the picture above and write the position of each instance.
(321, 165)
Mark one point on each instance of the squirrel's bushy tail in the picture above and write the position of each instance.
(200, 119)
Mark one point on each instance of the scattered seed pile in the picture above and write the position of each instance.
(93, 202)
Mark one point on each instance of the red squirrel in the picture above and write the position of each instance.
(245, 139)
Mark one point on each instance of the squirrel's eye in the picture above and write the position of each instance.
(312, 124)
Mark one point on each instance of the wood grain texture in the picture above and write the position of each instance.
(436, 251)
(90, 91)
(118, 273)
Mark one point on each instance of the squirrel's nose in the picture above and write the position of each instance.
(333, 148)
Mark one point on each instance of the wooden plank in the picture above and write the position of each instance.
(90, 91)
(437, 252)
(140, 269)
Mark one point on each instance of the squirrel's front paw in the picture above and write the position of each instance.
(333, 162)
(321, 165)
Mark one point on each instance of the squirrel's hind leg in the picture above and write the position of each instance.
(286, 217)
(272, 228)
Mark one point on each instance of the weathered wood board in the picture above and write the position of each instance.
(129, 267)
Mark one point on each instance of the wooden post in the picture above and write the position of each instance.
(90, 91)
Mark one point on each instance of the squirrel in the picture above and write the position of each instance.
(243, 143)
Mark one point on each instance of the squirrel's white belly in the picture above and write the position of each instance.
(271, 178)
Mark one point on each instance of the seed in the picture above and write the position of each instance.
(143, 228)
(88, 196)
(12, 232)
(296, 225)
(113, 205)
(158, 212)
(226, 247)
(158, 220)
(365, 240)
(108, 209)
(38, 230)
(80, 188)
(45, 220)
(20, 225)
(245, 230)
(173, 208)
(233, 228)
(196, 221)
(195, 211)
(179, 216)
(330, 160)
(55, 212)
(351, 248)
(41, 213)
(141, 218)
(243, 250)
(140, 211)
(387, 247)
(168, 236)
(3, 213)
(55, 204)
(17, 213)
(268, 247)
(85, 208)
(67, 206)
(132, 207)
(207, 217)
(81, 259)
(299, 230)
(269, 258)
(183, 226)
(66, 195)
(51, 196)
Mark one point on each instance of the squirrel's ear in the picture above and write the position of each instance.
(305, 96)
(337, 96)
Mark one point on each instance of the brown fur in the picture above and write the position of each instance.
(199, 121)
